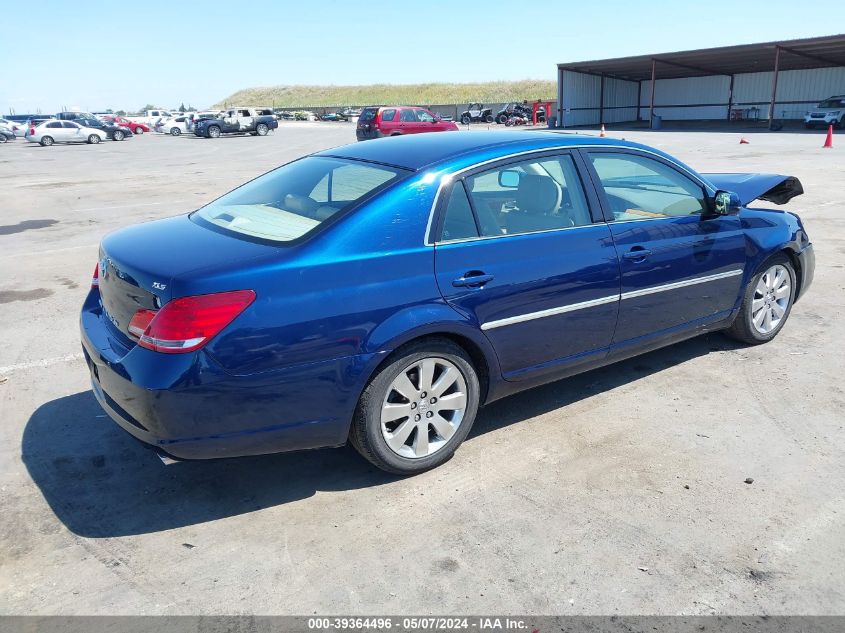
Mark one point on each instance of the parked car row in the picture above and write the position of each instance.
(85, 127)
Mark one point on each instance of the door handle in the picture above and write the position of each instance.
(472, 279)
(637, 254)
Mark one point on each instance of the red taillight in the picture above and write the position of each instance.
(95, 280)
(32, 131)
(187, 323)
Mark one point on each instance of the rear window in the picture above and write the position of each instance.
(293, 200)
(368, 114)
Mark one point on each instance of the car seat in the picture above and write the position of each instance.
(538, 200)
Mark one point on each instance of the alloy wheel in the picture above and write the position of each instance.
(771, 299)
(424, 406)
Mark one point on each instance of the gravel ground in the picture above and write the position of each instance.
(617, 491)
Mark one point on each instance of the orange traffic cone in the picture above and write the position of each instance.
(744, 141)
(828, 142)
(602, 134)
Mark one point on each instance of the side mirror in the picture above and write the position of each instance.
(509, 178)
(726, 203)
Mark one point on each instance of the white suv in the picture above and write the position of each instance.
(831, 111)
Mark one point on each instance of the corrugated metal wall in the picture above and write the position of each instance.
(693, 98)
(696, 98)
(580, 98)
(620, 100)
(581, 94)
(798, 90)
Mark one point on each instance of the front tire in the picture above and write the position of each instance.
(175, 131)
(465, 120)
(502, 118)
(488, 118)
(46, 141)
(767, 302)
(418, 408)
(138, 130)
(118, 136)
(262, 129)
(93, 139)
(213, 132)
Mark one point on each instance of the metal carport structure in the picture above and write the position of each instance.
(603, 86)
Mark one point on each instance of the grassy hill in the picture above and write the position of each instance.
(417, 94)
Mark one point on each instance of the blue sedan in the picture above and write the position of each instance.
(380, 293)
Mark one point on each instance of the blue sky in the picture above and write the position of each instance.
(97, 55)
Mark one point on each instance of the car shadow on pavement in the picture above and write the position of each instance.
(100, 482)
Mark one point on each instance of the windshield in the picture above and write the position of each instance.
(291, 201)
(833, 103)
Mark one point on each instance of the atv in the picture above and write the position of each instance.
(476, 113)
(520, 111)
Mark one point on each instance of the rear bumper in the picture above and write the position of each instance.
(807, 266)
(188, 407)
(366, 136)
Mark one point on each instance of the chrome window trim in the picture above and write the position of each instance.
(446, 179)
(497, 237)
(530, 316)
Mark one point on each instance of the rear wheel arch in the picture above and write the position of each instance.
(482, 356)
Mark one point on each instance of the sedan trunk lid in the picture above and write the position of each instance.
(137, 265)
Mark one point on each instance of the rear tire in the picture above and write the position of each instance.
(465, 120)
(175, 131)
(213, 132)
(118, 135)
(93, 139)
(262, 129)
(766, 303)
(3, 138)
(488, 118)
(502, 118)
(394, 442)
(46, 141)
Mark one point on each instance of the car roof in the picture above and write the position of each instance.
(419, 151)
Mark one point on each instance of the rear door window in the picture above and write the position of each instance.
(408, 116)
(458, 219)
